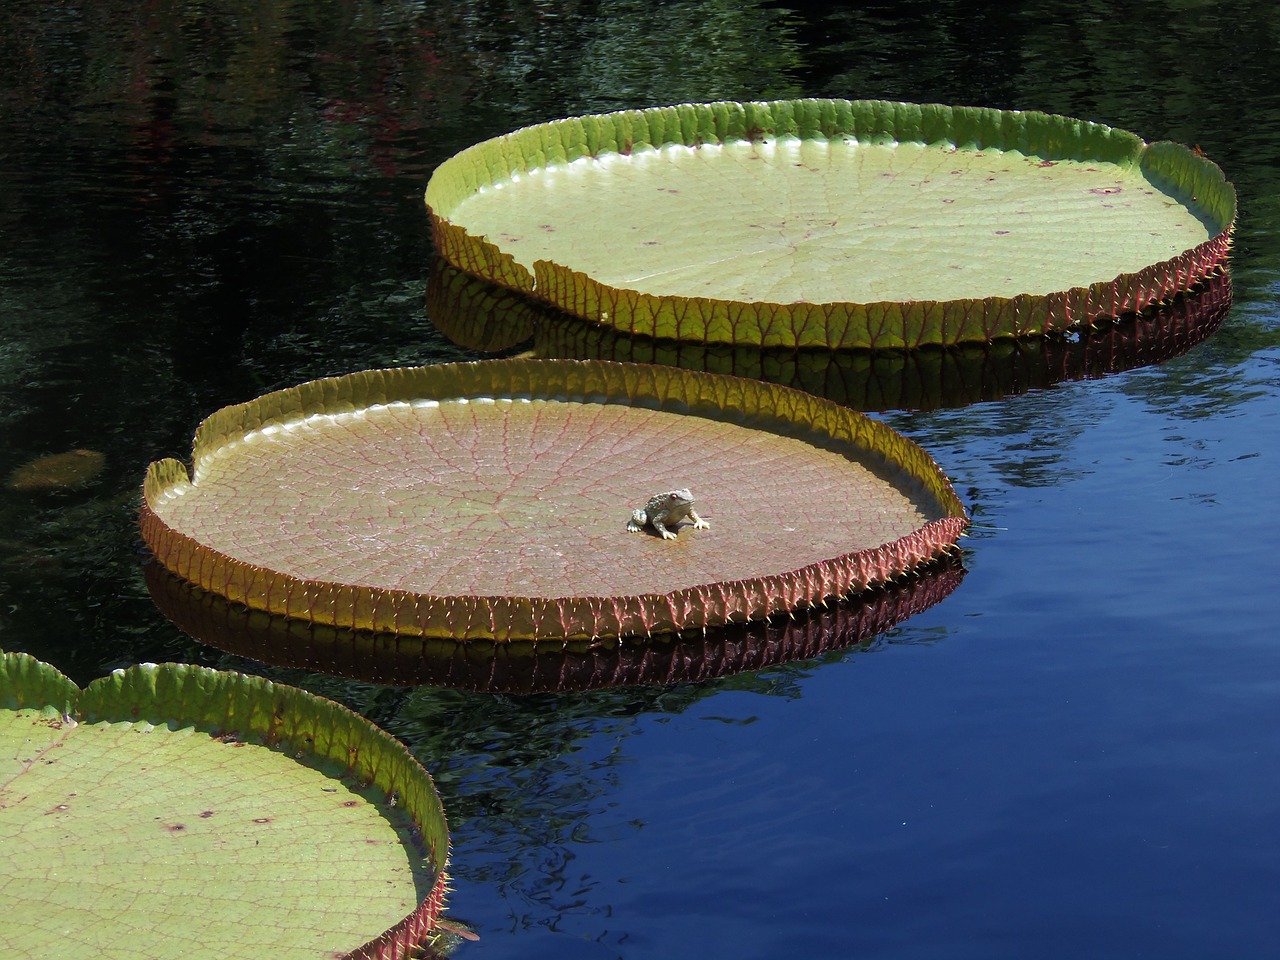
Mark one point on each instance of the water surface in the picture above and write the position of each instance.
(1075, 754)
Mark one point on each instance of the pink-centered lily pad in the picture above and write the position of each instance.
(491, 500)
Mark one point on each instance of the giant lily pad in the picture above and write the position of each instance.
(832, 222)
(490, 500)
(176, 811)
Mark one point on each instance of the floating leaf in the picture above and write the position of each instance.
(474, 311)
(833, 223)
(490, 500)
(176, 811)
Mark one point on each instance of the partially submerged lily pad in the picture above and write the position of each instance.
(490, 500)
(832, 222)
(174, 810)
(58, 471)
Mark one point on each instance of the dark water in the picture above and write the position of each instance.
(1075, 754)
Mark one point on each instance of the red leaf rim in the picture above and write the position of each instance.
(532, 618)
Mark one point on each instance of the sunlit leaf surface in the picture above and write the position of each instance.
(838, 223)
(491, 500)
(176, 811)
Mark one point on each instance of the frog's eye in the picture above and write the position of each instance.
(673, 496)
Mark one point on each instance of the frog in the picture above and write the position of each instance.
(665, 511)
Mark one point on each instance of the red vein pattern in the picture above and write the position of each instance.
(489, 500)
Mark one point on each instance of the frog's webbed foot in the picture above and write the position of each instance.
(698, 522)
(662, 529)
(637, 521)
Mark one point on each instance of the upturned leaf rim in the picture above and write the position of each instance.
(237, 708)
(515, 617)
(1193, 178)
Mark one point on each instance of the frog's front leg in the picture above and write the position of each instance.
(662, 529)
(698, 522)
(637, 521)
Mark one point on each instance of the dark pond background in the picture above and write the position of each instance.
(1077, 754)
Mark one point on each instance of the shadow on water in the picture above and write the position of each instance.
(486, 318)
(546, 667)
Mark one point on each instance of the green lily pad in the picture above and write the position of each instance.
(833, 223)
(492, 500)
(176, 811)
